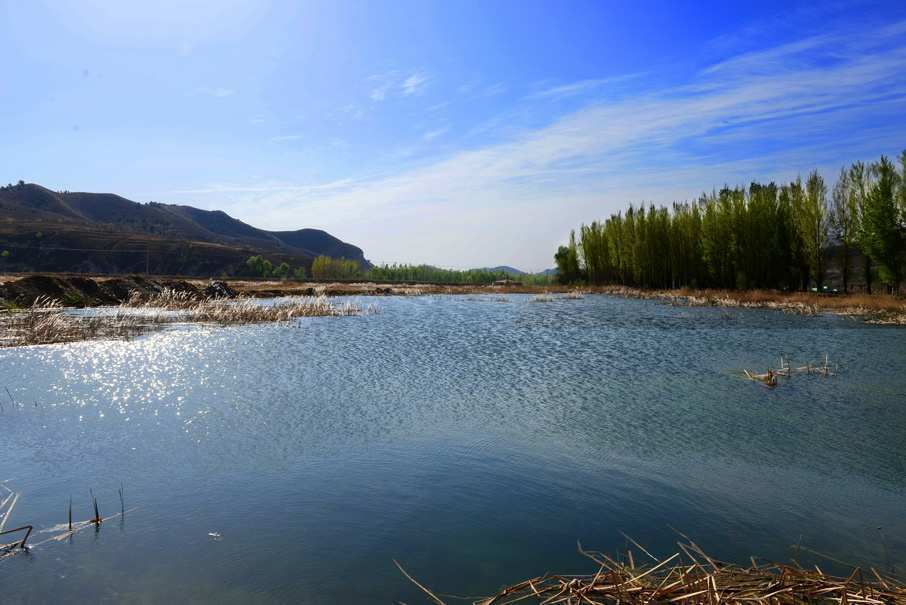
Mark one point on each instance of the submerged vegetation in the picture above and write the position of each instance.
(48, 322)
(690, 576)
(762, 236)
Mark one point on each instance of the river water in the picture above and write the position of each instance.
(473, 439)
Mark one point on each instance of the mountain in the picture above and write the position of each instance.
(44, 230)
(505, 269)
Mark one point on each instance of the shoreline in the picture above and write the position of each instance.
(34, 303)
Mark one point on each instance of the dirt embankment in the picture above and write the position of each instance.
(89, 292)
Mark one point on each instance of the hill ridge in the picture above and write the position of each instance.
(105, 232)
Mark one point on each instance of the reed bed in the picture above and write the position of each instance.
(877, 308)
(551, 297)
(691, 577)
(543, 298)
(48, 322)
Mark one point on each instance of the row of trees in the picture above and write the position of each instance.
(325, 267)
(763, 236)
(430, 273)
(259, 266)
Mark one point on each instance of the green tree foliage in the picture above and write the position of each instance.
(567, 259)
(259, 266)
(760, 236)
(883, 223)
(325, 267)
(860, 179)
(811, 221)
(844, 215)
(281, 271)
(432, 274)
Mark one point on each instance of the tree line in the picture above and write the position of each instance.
(259, 266)
(325, 267)
(760, 236)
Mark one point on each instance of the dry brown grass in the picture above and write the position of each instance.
(47, 322)
(691, 577)
(877, 308)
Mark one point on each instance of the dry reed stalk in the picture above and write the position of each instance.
(697, 579)
(47, 322)
(877, 308)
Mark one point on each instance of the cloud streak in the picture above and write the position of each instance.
(414, 84)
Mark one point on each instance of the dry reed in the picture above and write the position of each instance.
(47, 322)
(876, 308)
(691, 577)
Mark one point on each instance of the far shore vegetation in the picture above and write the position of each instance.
(764, 236)
(327, 268)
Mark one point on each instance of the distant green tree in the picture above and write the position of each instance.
(844, 217)
(325, 267)
(259, 266)
(567, 260)
(882, 223)
(299, 273)
(810, 215)
(5, 254)
(281, 271)
(762, 236)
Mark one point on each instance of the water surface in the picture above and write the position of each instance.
(474, 439)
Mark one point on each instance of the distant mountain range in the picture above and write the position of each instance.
(505, 269)
(516, 272)
(44, 230)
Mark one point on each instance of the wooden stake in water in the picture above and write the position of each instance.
(70, 513)
(122, 500)
(97, 515)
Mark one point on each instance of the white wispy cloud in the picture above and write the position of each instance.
(393, 83)
(730, 122)
(582, 86)
(414, 84)
(433, 134)
(283, 138)
(379, 93)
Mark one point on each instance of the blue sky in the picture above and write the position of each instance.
(455, 133)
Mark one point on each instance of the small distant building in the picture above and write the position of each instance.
(507, 282)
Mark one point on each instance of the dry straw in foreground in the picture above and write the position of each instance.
(692, 577)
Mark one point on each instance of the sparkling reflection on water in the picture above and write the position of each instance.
(473, 438)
